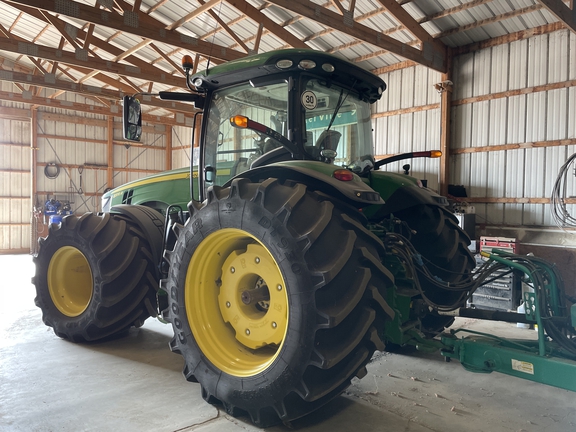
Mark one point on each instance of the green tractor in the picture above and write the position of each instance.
(283, 257)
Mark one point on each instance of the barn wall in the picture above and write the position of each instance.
(78, 143)
(407, 118)
(512, 128)
(521, 94)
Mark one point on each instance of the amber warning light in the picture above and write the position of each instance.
(187, 62)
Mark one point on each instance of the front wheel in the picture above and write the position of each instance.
(276, 299)
(95, 276)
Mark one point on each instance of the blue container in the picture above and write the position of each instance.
(55, 219)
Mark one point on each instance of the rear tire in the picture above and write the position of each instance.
(326, 286)
(95, 277)
(445, 245)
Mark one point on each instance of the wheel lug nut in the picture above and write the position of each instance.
(232, 269)
(274, 325)
(248, 332)
(257, 260)
(227, 304)
(279, 287)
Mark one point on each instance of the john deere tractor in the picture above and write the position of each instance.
(283, 257)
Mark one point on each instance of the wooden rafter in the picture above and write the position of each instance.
(137, 23)
(71, 58)
(412, 26)
(433, 59)
(98, 43)
(19, 77)
(250, 11)
(562, 12)
(205, 7)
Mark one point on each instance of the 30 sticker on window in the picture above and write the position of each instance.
(309, 100)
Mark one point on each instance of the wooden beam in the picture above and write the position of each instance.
(413, 27)
(110, 144)
(491, 20)
(33, 171)
(517, 92)
(250, 11)
(169, 148)
(453, 10)
(512, 37)
(68, 57)
(168, 59)
(406, 111)
(156, 6)
(98, 43)
(15, 113)
(511, 200)
(515, 146)
(189, 17)
(51, 82)
(114, 110)
(136, 23)
(431, 59)
(445, 107)
(562, 12)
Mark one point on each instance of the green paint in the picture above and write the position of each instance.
(517, 358)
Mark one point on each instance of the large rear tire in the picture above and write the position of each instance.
(444, 245)
(95, 277)
(276, 298)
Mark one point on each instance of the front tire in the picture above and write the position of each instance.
(276, 298)
(95, 277)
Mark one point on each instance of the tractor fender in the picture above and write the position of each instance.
(407, 196)
(317, 176)
(149, 221)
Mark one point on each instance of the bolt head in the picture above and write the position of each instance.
(257, 260)
(248, 332)
(228, 304)
(274, 325)
(232, 269)
(279, 287)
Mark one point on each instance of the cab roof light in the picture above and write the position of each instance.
(284, 64)
(307, 64)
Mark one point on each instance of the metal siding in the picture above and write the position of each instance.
(537, 60)
(14, 211)
(480, 121)
(461, 126)
(518, 72)
(497, 123)
(516, 119)
(463, 76)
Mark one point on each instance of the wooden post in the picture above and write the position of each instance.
(168, 147)
(33, 175)
(445, 107)
(110, 143)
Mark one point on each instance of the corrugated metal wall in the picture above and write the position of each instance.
(15, 183)
(78, 144)
(515, 93)
(542, 115)
(407, 118)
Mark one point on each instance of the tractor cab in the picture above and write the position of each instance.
(290, 104)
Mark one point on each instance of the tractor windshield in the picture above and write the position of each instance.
(231, 150)
(338, 125)
(335, 125)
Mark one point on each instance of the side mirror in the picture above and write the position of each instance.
(131, 118)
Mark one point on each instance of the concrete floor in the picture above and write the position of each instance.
(135, 384)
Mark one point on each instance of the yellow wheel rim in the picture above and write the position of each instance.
(236, 302)
(70, 281)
